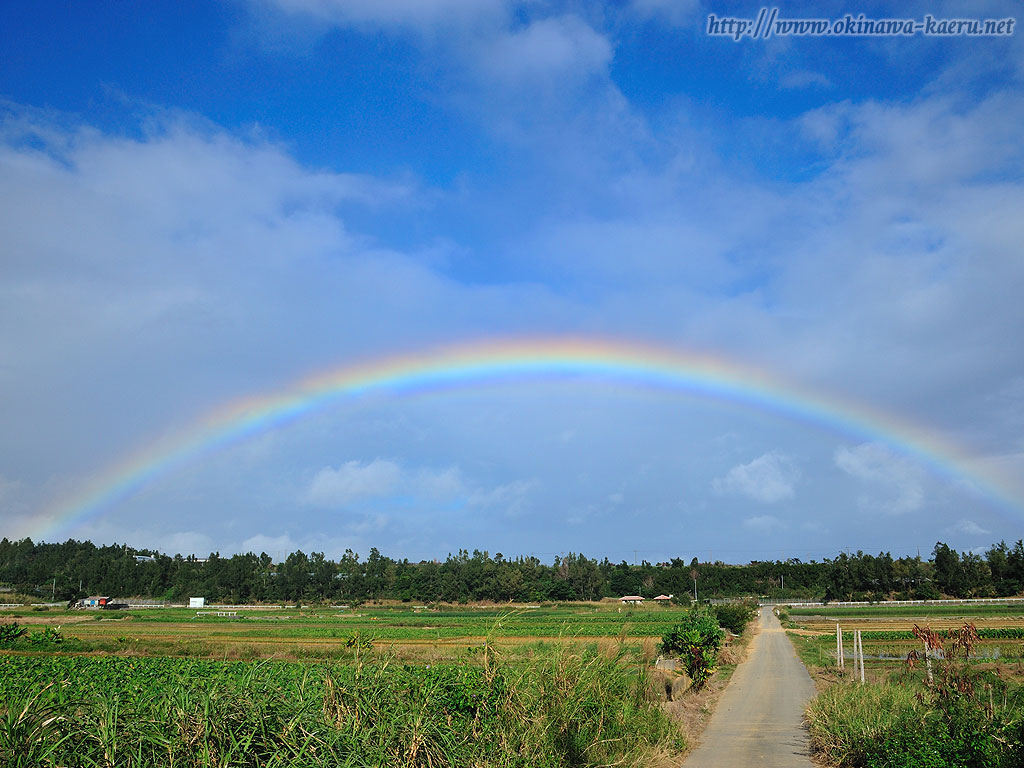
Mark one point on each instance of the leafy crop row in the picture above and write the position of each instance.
(987, 633)
(563, 708)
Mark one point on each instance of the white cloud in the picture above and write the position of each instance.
(968, 527)
(891, 275)
(769, 478)
(511, 499)
(440, 484)
(804, 79)
(353, 481)
(561, 47)
(419, 490)
(897, 484)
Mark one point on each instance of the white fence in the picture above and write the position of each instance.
(866, 604)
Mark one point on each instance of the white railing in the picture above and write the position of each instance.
(883, 603)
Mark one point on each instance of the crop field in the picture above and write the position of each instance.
(402, 686)
(963, 610)
(407, 632)
(887, 633)
(60, 710)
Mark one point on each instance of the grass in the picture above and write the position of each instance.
(972, 715)
(898, 723)
(563, 708)
(450, 685)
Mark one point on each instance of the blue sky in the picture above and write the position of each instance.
(208, 201)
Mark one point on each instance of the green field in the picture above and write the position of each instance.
(390, 686)
(563, 708)
(908, 611)
(441, 632)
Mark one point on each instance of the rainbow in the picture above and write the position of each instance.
(476, 364)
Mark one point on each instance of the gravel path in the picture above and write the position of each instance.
(759, 719)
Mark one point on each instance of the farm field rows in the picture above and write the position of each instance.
(909, 611)
(317, 634)
(888, 636)
(109, 710)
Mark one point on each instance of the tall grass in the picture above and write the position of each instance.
(564, 707)
(895, 725)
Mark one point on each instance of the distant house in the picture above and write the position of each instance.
(94, 602)
(631, 600)
(663, 598)
(145, 559)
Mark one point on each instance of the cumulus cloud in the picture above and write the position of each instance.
(896, 483)
(769, 478)
(511, 499)
(561, 47)
(420, 489)
(968, 527)
(804, 79)
(135, 257)
(336, 487)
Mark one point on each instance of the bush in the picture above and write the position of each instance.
(696, 640)
(9, 633)
(735, 616)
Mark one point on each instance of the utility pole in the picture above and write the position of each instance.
(53, 592)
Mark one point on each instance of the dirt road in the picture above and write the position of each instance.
(758, 721)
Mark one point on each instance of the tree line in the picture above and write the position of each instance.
(78, 568)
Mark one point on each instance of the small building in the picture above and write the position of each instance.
(96, 601)
(631, 600)
(196, 602)
(145, 559)
(663, 598)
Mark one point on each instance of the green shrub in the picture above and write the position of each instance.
(9, 633)
(735, 616)
(696, 640)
